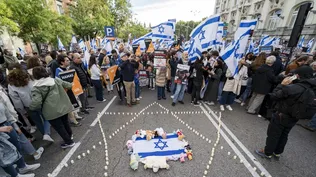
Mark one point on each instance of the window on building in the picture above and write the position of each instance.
(235, 2)
(274, 20)
(293, 17)
(216, 10)
(59, 5)
(231, 26)
(233, 14)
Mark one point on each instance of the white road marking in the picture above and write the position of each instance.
(232, 145)
(247, 152)
(102, 112)
(61, 165)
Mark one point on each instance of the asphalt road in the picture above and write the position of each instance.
(238, 135)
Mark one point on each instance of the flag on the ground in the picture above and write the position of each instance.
(301, 42)
(164, 30)
(310, 45)
(60, 44)
(22, 53)
(169, 147)
(244, 26)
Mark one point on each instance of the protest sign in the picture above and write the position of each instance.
(135, 47)
(143, 78)
(71, 76)
(113, 74)
(159, 59)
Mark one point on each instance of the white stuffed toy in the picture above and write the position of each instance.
(155, 162)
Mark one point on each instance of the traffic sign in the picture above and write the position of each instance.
(109, 31)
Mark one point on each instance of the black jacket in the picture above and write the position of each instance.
(286, 96)
(100, 58)
(277, 66)
(53, 66)
(263, 79)
(198, 79)
(128, 70)
(173, 64)
(82, 74)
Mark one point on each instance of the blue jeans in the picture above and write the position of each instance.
(161, 92)
(220, 89)
(22, 144)
(40, 122)
(98, 89)
(179, 94)
(173, 85)
(11, 170)
(312, 122)
(227, 98)
(247, 92)
(137, 90)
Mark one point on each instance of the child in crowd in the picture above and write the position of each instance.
(151, 77)
(161, 76)
(106, 65)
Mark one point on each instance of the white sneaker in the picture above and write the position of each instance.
(237, 101)
(78, 117)
(140, 97)
(137, 99)
(104, 100)
(172, 96)
(222, 107)
(29, 168)
(32, 130)
(48, 138)
(229, 108)
(242, 104)
(211, 103)
(26, 175)
(39, 153)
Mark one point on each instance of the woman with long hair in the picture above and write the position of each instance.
(259, 61)
(95, 73)
(211, 93)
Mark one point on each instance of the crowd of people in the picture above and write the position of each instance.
(33, 97)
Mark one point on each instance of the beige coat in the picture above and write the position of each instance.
(234, 85)
(161, 77)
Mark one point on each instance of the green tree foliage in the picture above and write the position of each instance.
(120, 10)
(136, 29)
(90, 17)
(185, 27)
(37, 23)
(6, 18)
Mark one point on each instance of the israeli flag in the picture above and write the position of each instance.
(22, 53)
(263, 40)
(82, 45)
(244, 26)
(205, 33)
(164, 30)
(231, 56)
(310, 45)
(256, 51)
(301, 42)
(276, 43)
(251, 46)
(107, 46)
(269, 42)
(186, 46)
(141, 41)
(219, 35)
(169, 147)
(60, 44)
(94, 45)
(73, 39)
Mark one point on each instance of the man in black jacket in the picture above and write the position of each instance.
(263, 81)
(84, 81)
(128, 71)
(286, 96)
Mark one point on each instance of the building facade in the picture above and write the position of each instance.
(275, 17)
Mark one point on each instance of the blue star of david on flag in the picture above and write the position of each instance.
(161, 29)
(202, 35)
(160, 144)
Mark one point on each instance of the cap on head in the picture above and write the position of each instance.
(123, 54)
(304, 72)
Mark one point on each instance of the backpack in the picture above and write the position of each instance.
(305, 104)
